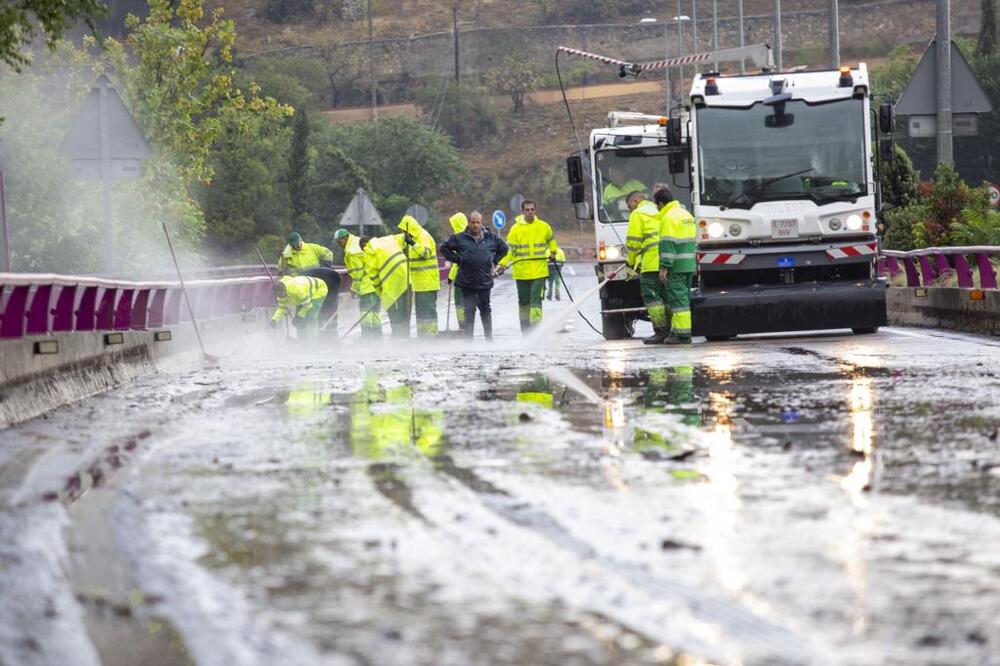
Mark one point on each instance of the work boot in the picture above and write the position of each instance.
(673, 339)
(658, 337)
(488, 326)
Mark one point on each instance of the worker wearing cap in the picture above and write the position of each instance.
(456, 225)
(643, 242)
(301, 298)
(424, 274)
(555, 276)
(299, 255)
(678, 244)
(361, 283)
(387, 268)
(531, 244)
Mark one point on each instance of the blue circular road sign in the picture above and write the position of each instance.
(499, 219)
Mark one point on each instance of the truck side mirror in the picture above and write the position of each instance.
(574, 170)
(578, 193)
(886, 118)
(674, 137)
(582, 210)
(887, 152)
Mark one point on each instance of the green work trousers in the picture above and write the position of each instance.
(371, 318)
(679, 303)
(459, 305)
(308, 326)
(654, 297)
(399, 316)
(529, 302)
(427, 314)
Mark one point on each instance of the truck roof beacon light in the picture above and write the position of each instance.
(711, 87)
(846, 80)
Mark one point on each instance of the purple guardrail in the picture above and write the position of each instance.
(922, 267)
(39, 304)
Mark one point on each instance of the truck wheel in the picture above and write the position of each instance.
(615, 327)
(719, 338)
(865, 331)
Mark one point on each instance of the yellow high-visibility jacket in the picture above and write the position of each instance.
(560, 256)
(529, 246)
(354, 259)
(643, 238)
(678, 239)
(386, 266)
(308, 256)
(305, 294)
(458, 223)
(424, 275)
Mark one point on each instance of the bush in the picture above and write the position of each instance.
(465, 112)
(284, 11)
(297, 80)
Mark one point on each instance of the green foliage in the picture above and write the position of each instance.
(977, 227)
(891, 78)
(986, 44)
(21, 21)
(899, 226)
(285, 11)
(300, 81)
(594, 11)
(465, 112)
(514, 77)
(298, 166)
(899, 180)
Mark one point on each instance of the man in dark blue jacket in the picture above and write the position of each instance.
(477, 251)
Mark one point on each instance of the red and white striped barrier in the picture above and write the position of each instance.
(852, 251)
(720, 258)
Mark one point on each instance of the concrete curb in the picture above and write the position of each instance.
(33, 383)
(945, 307)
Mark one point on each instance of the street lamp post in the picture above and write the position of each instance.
(680, 39)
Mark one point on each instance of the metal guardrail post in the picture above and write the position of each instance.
(12, 325)
(38, 312)
(963, 271)
(987, 278)
(912, 278)
(926, 269)
(62, 314)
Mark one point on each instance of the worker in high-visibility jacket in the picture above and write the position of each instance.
(425, 278)
(386, 265)
(301, 298)
(643, 242)
(361, 283)
(457, 224)
(555, 276)
(299, 255)
(678, 245)
(531, 245)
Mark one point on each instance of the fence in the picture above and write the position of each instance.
(923, 267)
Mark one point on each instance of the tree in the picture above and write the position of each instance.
(298, 166)
(891, 78)
(22, 20)
(514, 77)
(987, 43)
(465, 112)
(899, 180)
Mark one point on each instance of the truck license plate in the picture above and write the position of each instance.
(784, 228)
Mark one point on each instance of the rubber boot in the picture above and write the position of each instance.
(659, 336)
(672, 339)
(487, 325)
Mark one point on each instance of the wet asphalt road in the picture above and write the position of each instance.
(803, 499)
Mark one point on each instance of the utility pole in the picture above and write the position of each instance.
(371, 63)
(777, 34)
(694, 30)
(834, 15)
(109, 227)
(680, 50)
(715, 32)
(3, 225)
(666, 54)
(944, 143)
(454, 29)
(739, 20)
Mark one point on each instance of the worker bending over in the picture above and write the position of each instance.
(643, 242)
(361, 283)
(424, 278)
(678, 242)
(301, 298)
(299, 256)
(531, 245)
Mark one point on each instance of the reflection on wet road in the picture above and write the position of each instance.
(798, 500)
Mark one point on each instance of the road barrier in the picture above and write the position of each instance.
(923, 267)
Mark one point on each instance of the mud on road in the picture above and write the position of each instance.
(782, 500)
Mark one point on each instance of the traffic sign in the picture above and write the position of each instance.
(994, 191)
(418, 212)
(499, 219)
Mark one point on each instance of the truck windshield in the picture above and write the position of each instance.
(624, 170)
(793, 150)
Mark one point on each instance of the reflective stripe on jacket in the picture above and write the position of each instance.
(309, 255)
(304, 295)
(386, 266)
(530, 244)
(643, 238)
(354, 259)
(424, 273)
(678, 239)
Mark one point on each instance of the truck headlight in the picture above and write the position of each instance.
(835, 224)
(735, 229)
(612, 253)
(854, 222)
(715, 230)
